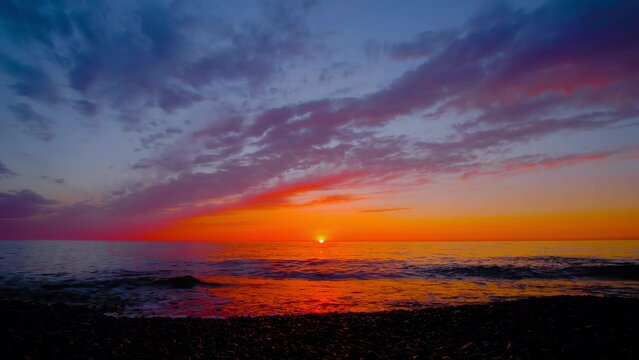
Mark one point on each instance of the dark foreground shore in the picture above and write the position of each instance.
(538, 328)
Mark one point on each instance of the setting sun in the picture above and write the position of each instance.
(474, 164)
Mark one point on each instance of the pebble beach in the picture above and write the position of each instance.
(565, 327)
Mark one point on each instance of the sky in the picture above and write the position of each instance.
(288, 120)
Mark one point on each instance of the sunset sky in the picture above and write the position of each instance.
(287, 120)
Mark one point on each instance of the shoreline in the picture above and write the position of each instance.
(544, 327)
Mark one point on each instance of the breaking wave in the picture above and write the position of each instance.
(512, 268)
(176, 282)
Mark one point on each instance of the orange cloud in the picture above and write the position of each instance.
(282, 196)
(332, 199)
(384, 210)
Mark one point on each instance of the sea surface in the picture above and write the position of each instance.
(237, 279)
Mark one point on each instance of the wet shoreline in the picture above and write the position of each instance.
(552, 327)
(225, 279)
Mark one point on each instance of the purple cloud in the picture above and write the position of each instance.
(5, 172)
(171, 99)
(487, 67)
(55, 181)
(23, 204)
(513, 76)
(160, 55)
(535, 162)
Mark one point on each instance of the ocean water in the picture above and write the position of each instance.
(235, 279)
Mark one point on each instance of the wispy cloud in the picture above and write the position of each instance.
(132, 56)
(531, 163)
(33, 123)
(5, 172)
(507, 77)
(383, 210)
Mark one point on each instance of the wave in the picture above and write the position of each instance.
(603, 272)
(503, 268)
(523, 268)
(176, 282)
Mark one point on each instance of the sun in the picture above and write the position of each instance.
(321, 239)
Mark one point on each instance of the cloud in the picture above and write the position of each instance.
(328, 200)
(38, 21)
(537, 162)
(340, 70)
(500, 60)
(85, 107)
(55, 181)
(34, 124)
(522, 85)
(283, 196)
(525, 130)
(133, 56)
(171, 99)
(5, 172)
(154, 140)
(384, 210)
(496, 66)
(23, 204)
(508, 76)
(425, 44)
(32, 82)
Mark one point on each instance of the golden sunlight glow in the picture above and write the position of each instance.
(353, 225)
(321, 239)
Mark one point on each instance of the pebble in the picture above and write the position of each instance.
(539, 326)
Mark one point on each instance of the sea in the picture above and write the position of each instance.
(224, 279)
